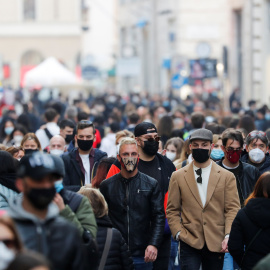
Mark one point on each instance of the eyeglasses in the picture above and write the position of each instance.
(157, 139)
(9, 243)
(199, 179)
(254, 134)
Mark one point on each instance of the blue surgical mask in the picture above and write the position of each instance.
(58, 185)
(267, 116)
(217, 154)
(8, 130)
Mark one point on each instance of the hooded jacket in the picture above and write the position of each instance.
(136, 210)
(265, 166)
(249, 220)
(119, 256)
(53, 237)
(74, 178)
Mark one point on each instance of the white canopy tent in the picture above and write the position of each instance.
(50, 73)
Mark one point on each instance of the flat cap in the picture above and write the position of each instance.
(201, 134)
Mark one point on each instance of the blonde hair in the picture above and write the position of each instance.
(216, 138)
(127, 141)
(31, 136)
(123, 134)
(97, 201)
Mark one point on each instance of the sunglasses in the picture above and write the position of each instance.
(199, 173)
(254, 134)
(9, 243)
(157, 139)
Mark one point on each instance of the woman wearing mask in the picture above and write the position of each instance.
(8, 189)
(10, 243)
(217, 152)
(173, 148)
(185, 157)
(118, 256)
(16, 152)
(30, 143)
(249, 239)
(6, 131)
(17, 135)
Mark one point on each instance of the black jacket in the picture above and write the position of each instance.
(249, 220)
(119, 256)
(248, 177)
(74, 177)
(53, 237)
(136, 210)
(265, 166)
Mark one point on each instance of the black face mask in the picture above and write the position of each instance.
(40, 198)
(69, 138)
(85, 145)
(30, 151)
(150, 148)
(200, 155)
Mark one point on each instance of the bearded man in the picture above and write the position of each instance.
(135, 206)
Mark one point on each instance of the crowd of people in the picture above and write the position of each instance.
(134, 183)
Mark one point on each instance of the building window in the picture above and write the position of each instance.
(29, 9)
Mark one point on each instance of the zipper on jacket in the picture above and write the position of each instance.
(39, 234)
(142, 190)
(127, 200)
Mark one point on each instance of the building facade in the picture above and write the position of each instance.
(31, 31)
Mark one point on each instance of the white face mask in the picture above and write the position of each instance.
(256, 155)
(57, 152)
(6, 256)
(170, 155)
(17, 139)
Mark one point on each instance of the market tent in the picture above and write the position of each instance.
(50, 73)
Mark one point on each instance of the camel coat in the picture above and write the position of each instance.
(197, 224)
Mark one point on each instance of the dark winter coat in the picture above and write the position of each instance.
(119, 256)
(248, 177)
(249, 220)
(136, 210)
(264, 167)
(74, 177)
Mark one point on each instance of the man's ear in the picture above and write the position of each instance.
(248, 149)
(94, 138)
(138, 141)
(223, 148)
(19, 184)
(118, 158)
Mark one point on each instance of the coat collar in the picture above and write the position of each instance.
(191, 182)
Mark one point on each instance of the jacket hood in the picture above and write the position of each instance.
(104, 222)
(257, 210)
(266, 163)
(16, 211)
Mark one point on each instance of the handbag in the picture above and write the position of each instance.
(106, 249)
(249, 245)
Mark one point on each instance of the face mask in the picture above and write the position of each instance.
(58, 185)
(85, 145)
(40, 198)
(217, 154)
(17, 139)
(150, 148)
(256, 155)
(69, 138)
(200, 155)
(8, 130)
(130, 163)
(6, 256)
(233, 156)
(30, 151)
(267, 116)
(170, 155)
(57, 152)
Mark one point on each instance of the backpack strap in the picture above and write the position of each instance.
(106, 249)
(48, 133)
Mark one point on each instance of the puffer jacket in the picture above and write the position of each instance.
(119, 256)
(6, 194)
(54, 237)
(136, 210)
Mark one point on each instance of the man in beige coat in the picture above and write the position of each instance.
(202, 204)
